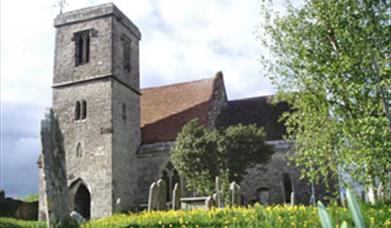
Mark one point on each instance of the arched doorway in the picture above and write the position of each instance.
(288, 189)
(83, 201)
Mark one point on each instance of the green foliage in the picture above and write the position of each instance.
(16, 223)
(201, 154)
(330, 62)
(354, 208)
(30, 198)
(280, 216)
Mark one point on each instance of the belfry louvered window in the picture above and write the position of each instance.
(82, 47)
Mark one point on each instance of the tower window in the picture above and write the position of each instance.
(79, 151)
(77, 111)
(82, 47)
(126, 53)
(83, 109)
(124, 112)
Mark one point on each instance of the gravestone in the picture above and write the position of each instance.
(54, 170)
(218, 194)
(152, 198)
(292, 198)
(77, 217)
(176, 196)
(235, 193)
(210, 203)
(161, 195)
(380, 192)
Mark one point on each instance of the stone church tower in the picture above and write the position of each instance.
(96, 99)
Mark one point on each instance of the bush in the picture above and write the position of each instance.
(257, 216)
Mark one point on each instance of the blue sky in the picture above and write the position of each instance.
(181, 41)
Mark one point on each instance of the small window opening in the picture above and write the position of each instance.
(77, 111)
(79, 151)
(126, 53)
(82, 47)
(124, 112)
(83, 109)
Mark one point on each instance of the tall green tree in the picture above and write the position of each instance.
(330, 59)
(201, 154)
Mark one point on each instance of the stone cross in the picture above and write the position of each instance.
(152, 198)
(218, 194)
(176, 195)
(54, 170)
(235, 193)
(162, 195)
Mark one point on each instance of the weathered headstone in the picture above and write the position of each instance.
(210, 203)
(217, 186)
(152, 198)
(162, 195)
(54, 170)
(77, 217)
(292, 198)
(371, 196)
(380, 192)
(176, 196)
(235, 193)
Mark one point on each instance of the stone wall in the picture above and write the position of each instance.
(94, 134)
(270, 176)
(126, 140)
(151, 159)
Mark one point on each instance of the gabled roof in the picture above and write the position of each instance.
(165, 109)
(257, 110)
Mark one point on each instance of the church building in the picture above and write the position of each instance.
(117, 136)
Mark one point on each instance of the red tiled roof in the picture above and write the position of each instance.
(165, 109)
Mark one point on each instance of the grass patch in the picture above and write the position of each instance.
(15, 223)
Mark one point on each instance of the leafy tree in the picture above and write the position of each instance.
(30, 198)
(201, 154)
(331, 61)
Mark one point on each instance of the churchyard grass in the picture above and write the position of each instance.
(16, 223)
(280, 216)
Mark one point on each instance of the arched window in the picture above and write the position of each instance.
(79, 150)
(171, 176)
(83, 109)
(288, 188)
(77, 111)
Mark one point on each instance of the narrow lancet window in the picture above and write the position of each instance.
(83, 109)
(77, 111)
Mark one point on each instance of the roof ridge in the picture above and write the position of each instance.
(214, 77)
